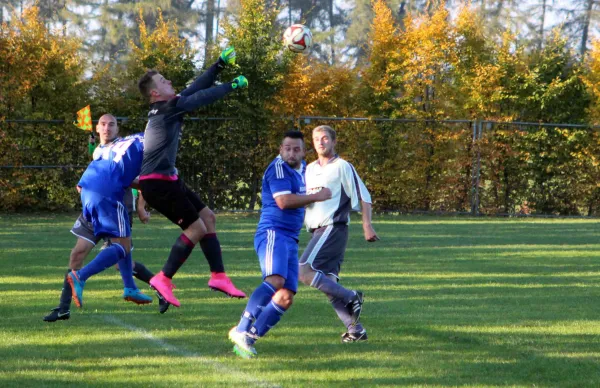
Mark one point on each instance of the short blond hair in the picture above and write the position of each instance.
(326, 128)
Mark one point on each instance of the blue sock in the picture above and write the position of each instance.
(126, 270)
(269, 318)
(105, 259)
(257, 302)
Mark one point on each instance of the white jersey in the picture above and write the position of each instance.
(347, 191)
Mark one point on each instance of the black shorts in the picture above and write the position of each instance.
(173, 199)
(326, 248)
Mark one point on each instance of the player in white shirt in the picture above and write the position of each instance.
(327, 221)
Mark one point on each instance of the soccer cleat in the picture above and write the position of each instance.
(134, 295)
(219, 281)
(164, 286)
(355, 337)
(163, 305)
(355, 306)
(56, 315)
(76, 287)
(243, 343)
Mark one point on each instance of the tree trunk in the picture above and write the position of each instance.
(332, 27)
(586, 26)
(210, 15)
(542, 22)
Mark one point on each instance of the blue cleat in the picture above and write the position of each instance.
(77, 287)
(134, 295)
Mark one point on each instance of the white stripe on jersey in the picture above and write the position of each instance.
(277, 194)
(269, 253)
(120, 211)
(319, 244)
(279, 169)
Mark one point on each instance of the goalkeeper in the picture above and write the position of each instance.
(164, 189)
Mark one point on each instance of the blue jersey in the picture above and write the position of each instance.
(114, 167)
(281, 179)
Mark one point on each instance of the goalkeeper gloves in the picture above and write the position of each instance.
(239, 82)
(228, 56)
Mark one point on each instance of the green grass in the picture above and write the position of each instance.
(449, 302)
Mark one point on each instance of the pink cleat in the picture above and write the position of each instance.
(220, 282)
(164, 287)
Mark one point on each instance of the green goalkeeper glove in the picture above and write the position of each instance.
(239, 82)
(228, 56)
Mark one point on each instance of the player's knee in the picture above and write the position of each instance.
(284, 298)
(276, 281)
(196, 231)
(306, 274)
(209, 218)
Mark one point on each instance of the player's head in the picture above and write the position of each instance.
(107, 128)
(292, 148)
(155, 87)
(324, 140)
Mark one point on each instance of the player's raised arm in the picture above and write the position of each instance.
(208, 96)
(206, 79)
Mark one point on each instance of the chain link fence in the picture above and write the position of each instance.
(410, 166)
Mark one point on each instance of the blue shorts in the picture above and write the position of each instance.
(108, 215)
(278, 255)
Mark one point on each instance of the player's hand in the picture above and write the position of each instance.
(78, 189)
(144, 216)
(228, 56)
(370, 234)
(239, 82)
(323, 195)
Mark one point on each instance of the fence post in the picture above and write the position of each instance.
(475, 174)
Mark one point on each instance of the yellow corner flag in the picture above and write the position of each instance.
(84, 119)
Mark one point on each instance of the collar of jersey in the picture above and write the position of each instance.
(335, 157)
(113, 141)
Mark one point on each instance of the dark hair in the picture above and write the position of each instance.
(146, 83)
(293, 134)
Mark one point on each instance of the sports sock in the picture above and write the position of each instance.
(141, 272)
(180, 252)
(341, 309)
(330, 287)
(271, 314)
(126, 270)
(105, 259)
(65, 295)
(211, 247)
(257, 302)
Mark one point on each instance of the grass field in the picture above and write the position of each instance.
(449, 302)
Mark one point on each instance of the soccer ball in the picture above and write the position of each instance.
(298, 38)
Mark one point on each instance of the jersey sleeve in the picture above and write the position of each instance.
(354, 187)
(279, 182)
(203, 97)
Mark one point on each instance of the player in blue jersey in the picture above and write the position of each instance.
(161, 184)
(108, 130)
(276, 243)
(114, 168)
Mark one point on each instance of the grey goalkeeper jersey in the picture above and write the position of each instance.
(165, 119)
